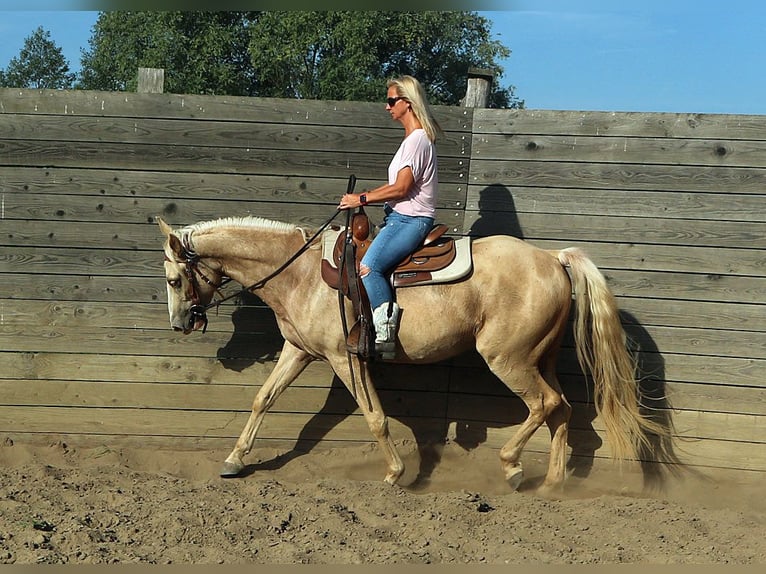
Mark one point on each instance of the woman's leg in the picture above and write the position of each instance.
(398, 238)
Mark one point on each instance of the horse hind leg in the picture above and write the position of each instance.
(361, 387)
(558, 425)
(547, 405)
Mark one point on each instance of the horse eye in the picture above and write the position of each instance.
(174, 283)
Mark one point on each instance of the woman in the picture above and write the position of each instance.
(409, 200)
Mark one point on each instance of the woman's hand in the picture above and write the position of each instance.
(349, 201)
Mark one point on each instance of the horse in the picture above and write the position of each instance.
(513, 309)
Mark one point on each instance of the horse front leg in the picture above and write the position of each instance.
(291, 363)
(361, 387)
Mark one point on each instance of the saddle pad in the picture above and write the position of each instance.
(460, 267)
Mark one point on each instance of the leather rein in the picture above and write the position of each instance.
(192, 262)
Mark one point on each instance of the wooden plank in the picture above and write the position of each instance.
(85, 288)
(620, 124)
(700, 314)
(148, 382)
(638, 177)
(172, 423)
(511, 204)
(705, 454)
(183, 186)
(91, 345)
(246, 135)
(708, 287)
(194, 397)
(204, 372)
(200, 158)
(78, 209)
(252, 316)
(506, 411)
(229, 108)
(675, 258)
(627, 149)
(179, 423)
(710, 261)
(691, 286)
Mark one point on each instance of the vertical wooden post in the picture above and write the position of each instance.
(151, 80)
(477, 91)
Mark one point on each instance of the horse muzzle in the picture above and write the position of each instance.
(197, 320)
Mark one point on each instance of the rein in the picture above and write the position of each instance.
(198, 312)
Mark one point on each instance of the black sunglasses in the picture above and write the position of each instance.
(392, 101)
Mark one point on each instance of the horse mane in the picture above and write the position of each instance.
(248, 221)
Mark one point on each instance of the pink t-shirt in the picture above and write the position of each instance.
(419, 154)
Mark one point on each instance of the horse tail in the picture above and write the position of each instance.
(601, 346)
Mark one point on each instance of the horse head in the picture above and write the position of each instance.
(191, 281)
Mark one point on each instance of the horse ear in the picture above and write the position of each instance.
(166, 230)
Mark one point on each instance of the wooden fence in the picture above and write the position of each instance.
(669, 206)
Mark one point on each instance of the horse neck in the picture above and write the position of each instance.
(249, 255)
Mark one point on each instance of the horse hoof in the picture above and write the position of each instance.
(231, 469)
(514, 477)
(551, 492)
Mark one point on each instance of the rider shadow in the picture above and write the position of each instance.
(497, 214)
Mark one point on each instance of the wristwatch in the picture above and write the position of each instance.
(363, 199)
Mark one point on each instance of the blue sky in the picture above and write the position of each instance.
(686, 56)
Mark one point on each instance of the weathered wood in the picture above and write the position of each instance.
(620, 124)
(478, 88)
(77, 209)
(253, 134)
(623, 150)
(151, 80)
(633, 177)
(200, 107)
(636, 314)
(324, 163)
(669, 206)
(607, 227)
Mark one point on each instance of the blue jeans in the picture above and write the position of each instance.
(398, 237)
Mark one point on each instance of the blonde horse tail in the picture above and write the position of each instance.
(601, 347)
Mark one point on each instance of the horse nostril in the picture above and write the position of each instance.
(177, 328)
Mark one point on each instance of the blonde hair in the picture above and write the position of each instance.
(411, 90)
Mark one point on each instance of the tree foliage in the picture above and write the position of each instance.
(350, 55)
(40, 64)
(343, 55)
(201, 52)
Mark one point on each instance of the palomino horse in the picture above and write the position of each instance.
(513, 309)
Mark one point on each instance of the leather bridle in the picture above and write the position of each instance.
(192, 262)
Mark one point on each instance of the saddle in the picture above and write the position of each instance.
(438, 259)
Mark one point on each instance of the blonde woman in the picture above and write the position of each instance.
(409, 200)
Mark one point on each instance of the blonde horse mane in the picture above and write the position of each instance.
(246, 222)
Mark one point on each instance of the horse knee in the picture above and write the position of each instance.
(378, 426)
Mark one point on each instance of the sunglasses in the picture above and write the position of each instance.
(392, 101)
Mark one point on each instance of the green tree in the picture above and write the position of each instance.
(40, 64)
(201, 52)
(350, 55)
(295, 54)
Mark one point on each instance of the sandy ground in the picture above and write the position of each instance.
(60, 504)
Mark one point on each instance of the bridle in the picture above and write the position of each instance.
(192, 261)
